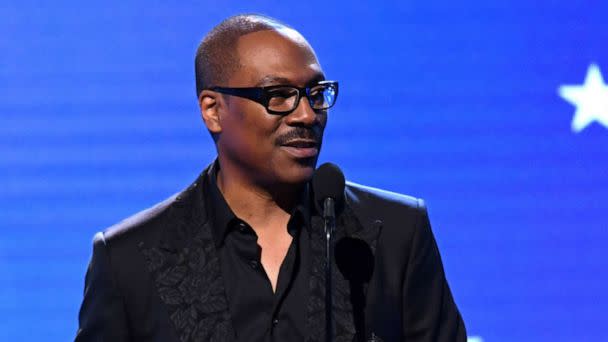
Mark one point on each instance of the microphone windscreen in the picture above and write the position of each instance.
(328, 181)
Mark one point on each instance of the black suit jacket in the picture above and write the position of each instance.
(156, 276)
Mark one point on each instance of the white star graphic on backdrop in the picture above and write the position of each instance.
(590, 99)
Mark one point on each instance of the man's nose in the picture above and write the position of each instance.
(303, 114)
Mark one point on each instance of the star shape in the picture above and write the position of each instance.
(590, 99)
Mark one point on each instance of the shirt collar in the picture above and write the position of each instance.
(223, 218)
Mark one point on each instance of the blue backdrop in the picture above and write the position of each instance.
(462, 103)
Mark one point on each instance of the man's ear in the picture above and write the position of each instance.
(210, 104)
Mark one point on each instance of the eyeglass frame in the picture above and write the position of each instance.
(261, 95)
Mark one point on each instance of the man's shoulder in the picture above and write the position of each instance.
(401, 214)
(370, 196)
(141, 226)
(147, 225)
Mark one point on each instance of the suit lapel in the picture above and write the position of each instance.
(352, 269)
(186, 269)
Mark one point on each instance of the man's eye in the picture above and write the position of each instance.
(318, 94)
(282, 93)
(319, 90)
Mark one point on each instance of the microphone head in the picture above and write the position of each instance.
(328, 181)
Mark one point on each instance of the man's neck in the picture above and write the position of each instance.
(261, 207)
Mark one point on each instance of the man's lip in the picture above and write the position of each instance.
(301, 152)
(291, 143)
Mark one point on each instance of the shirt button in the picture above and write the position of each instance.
(242, 227)
(275, 321)
(254, 264)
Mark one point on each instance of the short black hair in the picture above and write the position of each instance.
(216, 57)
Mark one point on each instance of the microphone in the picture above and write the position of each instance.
(328, 187)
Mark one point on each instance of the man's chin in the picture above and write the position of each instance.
(300, 171)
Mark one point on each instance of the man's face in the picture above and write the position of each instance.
(272, 149)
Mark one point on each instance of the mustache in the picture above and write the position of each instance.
(303, 133)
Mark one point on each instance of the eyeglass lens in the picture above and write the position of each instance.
(284, 99)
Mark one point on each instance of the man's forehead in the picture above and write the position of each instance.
(277, 57)
(292, 34)
(255, 41)
(285, 32)
(313, 76)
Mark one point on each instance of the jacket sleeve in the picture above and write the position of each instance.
(430, 313)
(102, 314)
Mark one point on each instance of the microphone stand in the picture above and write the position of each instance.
(329, 222)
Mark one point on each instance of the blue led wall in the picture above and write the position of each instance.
(495, 113)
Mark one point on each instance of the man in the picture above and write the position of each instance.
(238, 256)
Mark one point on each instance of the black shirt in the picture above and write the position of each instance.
(258, 313)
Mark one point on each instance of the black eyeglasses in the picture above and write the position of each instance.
(284, 99)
